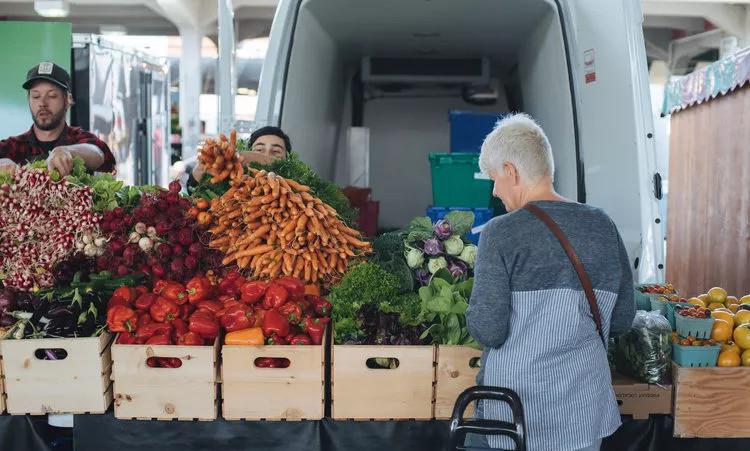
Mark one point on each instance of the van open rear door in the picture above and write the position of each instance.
(609, 76)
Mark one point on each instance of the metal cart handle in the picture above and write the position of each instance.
(459, 426)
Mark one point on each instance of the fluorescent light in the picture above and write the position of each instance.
(52, 8)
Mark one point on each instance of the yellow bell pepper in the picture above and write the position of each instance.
(246, 337)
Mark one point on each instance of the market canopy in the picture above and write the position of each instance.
(713, 81)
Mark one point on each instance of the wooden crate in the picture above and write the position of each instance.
(293, 393)
(453, 375)
(362, 393)
(711, 402)
(184, 393)
(641, 400)
(79, 383)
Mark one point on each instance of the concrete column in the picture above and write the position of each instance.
(190, 89)
(225, 74)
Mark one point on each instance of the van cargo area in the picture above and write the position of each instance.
(520, 41)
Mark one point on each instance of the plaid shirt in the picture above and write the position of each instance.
(25, 148)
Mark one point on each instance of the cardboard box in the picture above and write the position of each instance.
(641, 400)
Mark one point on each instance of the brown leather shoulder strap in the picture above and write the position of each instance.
(582, 275)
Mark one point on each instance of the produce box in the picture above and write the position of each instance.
(250, 392)
(641, 400)
(454, 374)
(184, 393)
(363, 393)
(79, 382)
(469, 128)
(711, 402)
(457, 182)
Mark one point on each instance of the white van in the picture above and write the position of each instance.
(397, 67)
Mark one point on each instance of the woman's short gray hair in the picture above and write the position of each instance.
(518, 139)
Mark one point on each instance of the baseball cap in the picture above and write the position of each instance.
(50, 72)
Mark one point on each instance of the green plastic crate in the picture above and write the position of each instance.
(454, 183)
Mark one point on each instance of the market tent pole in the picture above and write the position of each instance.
(226, 74)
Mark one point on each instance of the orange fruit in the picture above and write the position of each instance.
(717, 294)
(731, 300)
(722, 330)
(715, 305)
(731, 347)
(741, 336)
(742, 317)
(745, 299)
(704, 298)
(728, 358)
(733, 307)
(745, 357)
(696, 301)
(724, 314)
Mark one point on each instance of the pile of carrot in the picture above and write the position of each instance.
(269, 226)
(220, 158)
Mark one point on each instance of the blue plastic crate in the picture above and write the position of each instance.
(469, 128)
(481, 216)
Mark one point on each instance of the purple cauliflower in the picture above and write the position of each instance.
(433, 247)
(442, 229)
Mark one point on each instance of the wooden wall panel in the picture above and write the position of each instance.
(708, 236)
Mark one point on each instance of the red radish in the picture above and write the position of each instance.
(185, 203)
(177, 264)
(175, 186)
(195, 250)
(127, 220)
(106, 226)
(123, 270)
(158, 270)
(177, 250)
(164, 250)
(162, 228)
(102, 262)
(191, 262)
(145, 269)
(148, 212)
(173, 198)
(185, 236)
(118, 212)
(153, 260)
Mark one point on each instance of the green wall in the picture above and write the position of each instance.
(25, 44)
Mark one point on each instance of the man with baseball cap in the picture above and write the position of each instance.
(51, 138)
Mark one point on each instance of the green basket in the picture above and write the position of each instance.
(696, 327)
(455, 182)
(666, 308)
(642, 300)
(695, 356)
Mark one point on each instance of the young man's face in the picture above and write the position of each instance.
(48, 104)
(270, 145)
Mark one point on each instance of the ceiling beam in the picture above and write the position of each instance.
(690, 24)
(730, 18)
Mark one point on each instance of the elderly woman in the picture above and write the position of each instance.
(528, 307)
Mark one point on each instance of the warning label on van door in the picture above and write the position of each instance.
(589, 65)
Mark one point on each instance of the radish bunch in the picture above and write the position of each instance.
(156, 238)
(40, 224)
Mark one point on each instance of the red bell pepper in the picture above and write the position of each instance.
(126, 338)
(293, 285)
(276, 296)
(121, 319)
(294, 329)
(144, 301)
(153, 329)
(252, 292)
(316, 328)
(117, 300)
(169, 362)
(275, 340)
(204, 323)
(186, 310)
(191, 339)
(321, 306)
(260, 316)
(237, 317)
(159, 340)
(265, 362)
(300, 339)
(228, 287)
(174, 292)
(159, 286)
(292, 312)
(199, 289)
(164, 310)
(179, 329)
(274, 323)
(211, 306)
(141, 290)
(127, 293)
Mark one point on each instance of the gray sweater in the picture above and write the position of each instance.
(529, 311)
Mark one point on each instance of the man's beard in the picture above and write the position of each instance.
(49, 122)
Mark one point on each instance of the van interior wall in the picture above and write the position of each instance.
(314, 98)
(403, 132)
(543, 72)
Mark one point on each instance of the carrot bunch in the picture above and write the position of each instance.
(220, 157)
(270, 226)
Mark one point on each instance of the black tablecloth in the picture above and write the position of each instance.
(104, 432)
(94, 432)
